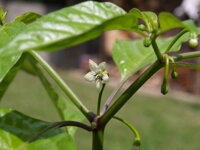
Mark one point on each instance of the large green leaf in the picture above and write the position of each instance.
(72, 25)
(16, 128)
(7, 33)
(66, 27)
(131, 56)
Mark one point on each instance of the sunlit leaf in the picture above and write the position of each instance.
(65, 28)
(72, 25)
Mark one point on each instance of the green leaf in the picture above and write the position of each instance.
(65, 28)
(191, 26)
(65, 108)
(4, 84)
(7, 33)
(131, 56)
(16, 128)
(28, 17)
(168, 22)
(71, 26)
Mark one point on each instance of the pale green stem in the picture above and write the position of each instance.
(187, 55)
(137, 140)
(186, 65)
(175, 39)
(62, 85)
(156, 49)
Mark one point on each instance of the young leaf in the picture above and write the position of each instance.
(191, 26)
(149, 18)
(17, 128)
(168, 22)
(28, 17)
(131, 56)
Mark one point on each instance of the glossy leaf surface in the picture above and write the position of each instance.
(16, 128)
(65, 28)
(72, 25)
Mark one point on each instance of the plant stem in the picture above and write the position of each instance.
(186, 65)
(111, 97)
(99, 99)
(132, 128)
(128, 93)
(175, 39)
(61, 124)
(63, 86)
(156, 49)
(187, 55)
(98, 137)
(47, 85)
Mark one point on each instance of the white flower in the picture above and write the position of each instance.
(98, 74)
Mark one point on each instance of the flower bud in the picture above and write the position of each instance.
(137, 142)
(174, 74)
(141, 27)
(164, 87)
(147, 42)
(193, 43)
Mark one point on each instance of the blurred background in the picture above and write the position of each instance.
(165, 122)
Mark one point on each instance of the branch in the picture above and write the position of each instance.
(61, 124)
(186, 65)
(187, 55)
(129, 92)
(62, 85)
(111, 97)
(175, 39)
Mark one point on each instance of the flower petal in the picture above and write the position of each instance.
(102, 66)
(105, 77)
(98, 84)
(93, 66)
(90, 76)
